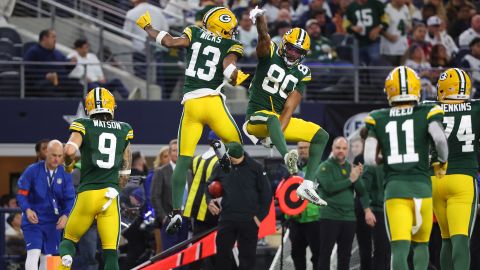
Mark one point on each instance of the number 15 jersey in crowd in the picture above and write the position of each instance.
(102, 151)
(402, 133)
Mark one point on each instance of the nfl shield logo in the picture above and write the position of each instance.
(59, 181)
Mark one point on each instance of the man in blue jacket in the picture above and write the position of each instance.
(46, 195)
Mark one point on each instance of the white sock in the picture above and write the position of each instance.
(33, 255)
(43, 261)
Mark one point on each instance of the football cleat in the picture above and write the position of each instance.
(222, 154)
(291, 159)
(307, 191)
(174, 222)
(67, 261)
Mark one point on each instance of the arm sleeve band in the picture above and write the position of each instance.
(160, 36)
(370, 151)
(435, 129)
(74, 145)
(229, 71)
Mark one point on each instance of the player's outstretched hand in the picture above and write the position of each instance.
(144, 20)
(255, 13)
(241, 77)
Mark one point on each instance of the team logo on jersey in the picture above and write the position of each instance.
(443, 76)
(353, 123)
(225, 18)
(59, 181)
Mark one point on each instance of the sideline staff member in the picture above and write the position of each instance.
(246, 200)
(46, 196)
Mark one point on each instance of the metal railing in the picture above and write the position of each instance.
(333, 83)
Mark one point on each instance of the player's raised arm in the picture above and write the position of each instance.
(125, 168)
(290, 105)
(162, 37)
(258, 18)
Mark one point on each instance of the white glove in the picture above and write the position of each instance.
(267, 142)
(256, 12)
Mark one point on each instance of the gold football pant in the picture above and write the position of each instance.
(402, 216)
(298, 130)
(454, 204)
(88, 206)
(198, 112)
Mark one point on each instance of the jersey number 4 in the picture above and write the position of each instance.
(107, 150)
(464, 132)
(395, 157)
(191, 71)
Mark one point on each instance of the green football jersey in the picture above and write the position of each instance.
(402, 133)
(102, 151)
(462, 130)
(368, 15)
(274, 81)
(204, 59)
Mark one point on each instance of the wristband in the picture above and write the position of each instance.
(229, 71)
(125, 172)
(74, 145)
(160, 36)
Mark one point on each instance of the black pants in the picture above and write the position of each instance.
(381, 244)
(364, 237)
(340, 232)
(245, 233)
(303, 235)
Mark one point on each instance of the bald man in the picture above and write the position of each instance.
(337, 180)
(46, 196)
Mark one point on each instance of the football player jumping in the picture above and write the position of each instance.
(455, 195)
(275, 92)
(403, 133)
(106, 161)
(211, 59)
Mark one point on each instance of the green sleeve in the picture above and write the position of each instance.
(367, 180)
(435, 114)
(328, 183)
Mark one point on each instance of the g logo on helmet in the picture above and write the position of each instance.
(225, 18)
(443, 76)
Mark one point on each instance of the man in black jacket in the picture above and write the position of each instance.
(245, 202)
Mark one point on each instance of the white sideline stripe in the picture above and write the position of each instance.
(279, 250)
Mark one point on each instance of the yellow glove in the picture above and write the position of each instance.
(144, 20)
(241, 77)
(69, 168)
(440, 169)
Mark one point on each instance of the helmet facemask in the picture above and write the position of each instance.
(292, 55)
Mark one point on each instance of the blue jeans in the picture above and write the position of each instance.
(370, 53)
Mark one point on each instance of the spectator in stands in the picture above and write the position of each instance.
(196, 207)
(471, 62)
(161, 195)
(437, 35)
(415, 13)
(161, 159)
(281, 29)
(9, 201)
(338, 16)
(284, 16)
(321, 48)
(454, 6)
(439, 56)
(41, 149)
(248, 36)
(460, 21)
(89, 68)
(205, 6)
(46, 196)
(338, 181)
(304, 226)
(393, 42)
(418, 37)
(139, 164)
(272, 7)
(326, 25)
(366, 32)
(428, 10)
(49, 80)
(313, 7)
(14, 241)
(158, 22)
(440, 10)
(468, 35)
(415, 58)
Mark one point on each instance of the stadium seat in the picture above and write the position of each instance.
(6, 47)
(27, 46)
(9, 84)
(11, 34)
